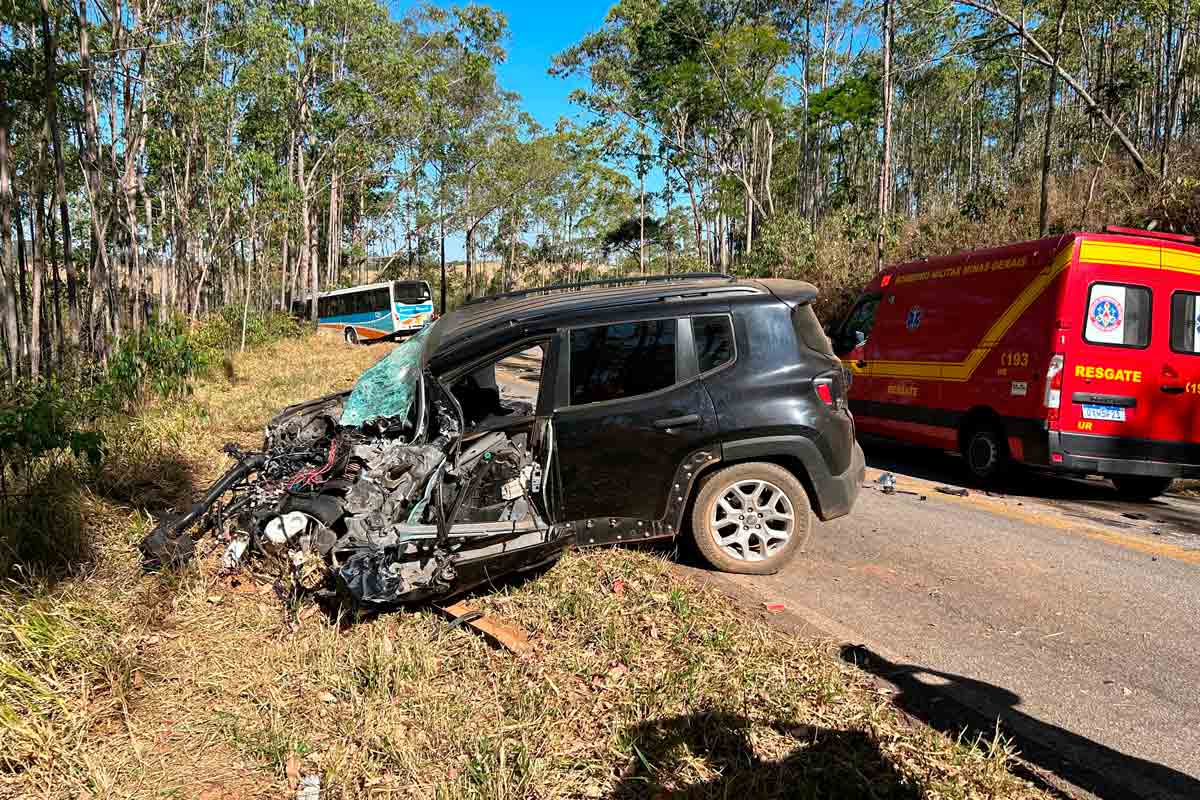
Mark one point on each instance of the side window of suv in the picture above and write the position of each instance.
(714, 341)
(609, 362)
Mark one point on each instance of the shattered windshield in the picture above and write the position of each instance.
(386, 390)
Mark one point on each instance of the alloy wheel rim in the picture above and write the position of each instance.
(752, 520)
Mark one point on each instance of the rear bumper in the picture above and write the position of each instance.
(1113, 455)
(836, 493)
(832, 494)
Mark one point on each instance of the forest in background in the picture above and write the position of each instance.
(165, 159)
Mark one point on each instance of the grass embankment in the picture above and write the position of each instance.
(115, 684)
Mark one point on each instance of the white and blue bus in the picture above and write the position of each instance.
(374, 311)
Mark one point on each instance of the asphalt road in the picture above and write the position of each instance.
(1067, 615)
(1070, 616)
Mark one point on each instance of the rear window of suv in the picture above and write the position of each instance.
(713, 337)
(1185, 322)
(609, 362)
(809, 330)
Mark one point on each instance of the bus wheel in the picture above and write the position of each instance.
(351, 336)
(1139, 487)
(986, 453)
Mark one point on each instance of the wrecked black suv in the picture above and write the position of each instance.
(525, 423)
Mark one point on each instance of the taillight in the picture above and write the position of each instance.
(1054, 383)
(828, 387)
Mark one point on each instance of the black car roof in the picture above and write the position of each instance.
(524, 315)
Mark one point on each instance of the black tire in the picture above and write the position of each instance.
(350, 335)
(985, 451)
(1140, 488)
(755, 556)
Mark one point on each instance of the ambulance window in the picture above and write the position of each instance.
(1117, 315)
(858, 324)
(1185, 322)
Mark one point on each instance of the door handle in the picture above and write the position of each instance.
(677, 422)
(1170, 388)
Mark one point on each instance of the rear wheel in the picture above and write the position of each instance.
(751, 518)
(1140, 487)
(986, 453)
(351, 336)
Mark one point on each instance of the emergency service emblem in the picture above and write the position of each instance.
(1106, 313)
(913, 321)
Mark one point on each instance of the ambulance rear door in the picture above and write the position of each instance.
(1116, 345)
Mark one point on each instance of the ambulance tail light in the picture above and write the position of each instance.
(1054, 384)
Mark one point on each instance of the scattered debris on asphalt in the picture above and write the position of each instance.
(952, 491)
(887, 483)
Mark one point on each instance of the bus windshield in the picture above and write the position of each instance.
(411, 292)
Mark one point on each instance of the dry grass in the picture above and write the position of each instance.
(114, 684)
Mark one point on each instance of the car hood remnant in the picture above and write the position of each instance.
(375, 495)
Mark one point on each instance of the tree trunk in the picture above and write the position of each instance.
(885, 159)
(37, 245)
(334, 234)
(470, 250)
(286, 285)
(23, 267)
(1019, 104)
(1176, 86)
(641, 218)
(99, 277)
(50, 49)
(442, 249)
(8, 297)
(512, 253)
(1044, 204)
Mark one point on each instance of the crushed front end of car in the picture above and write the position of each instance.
(376, 495)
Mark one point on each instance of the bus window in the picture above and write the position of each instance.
(411, 292)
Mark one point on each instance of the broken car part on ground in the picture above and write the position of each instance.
(354, 492)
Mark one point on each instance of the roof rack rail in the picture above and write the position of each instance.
(559, 287)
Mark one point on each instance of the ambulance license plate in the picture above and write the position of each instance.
(1109, 413)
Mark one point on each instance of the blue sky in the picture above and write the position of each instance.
(536, 32)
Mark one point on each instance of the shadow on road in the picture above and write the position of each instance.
(954, 704)
(832, 763)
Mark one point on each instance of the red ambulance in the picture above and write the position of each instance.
(1079, 352)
